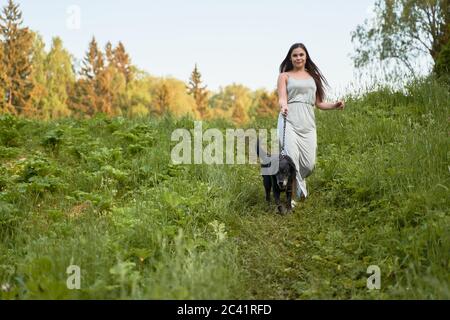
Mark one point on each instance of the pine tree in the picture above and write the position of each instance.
(109, 53)
(199, 93)
(91, 91)
(93, 62)
(111, 83)
(123, 62)
(82, 98)
(17, 55)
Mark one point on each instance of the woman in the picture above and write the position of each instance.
(300, 88)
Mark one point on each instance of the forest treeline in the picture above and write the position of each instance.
(42, 84)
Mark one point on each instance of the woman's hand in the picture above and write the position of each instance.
(340, 105)
(284, 109)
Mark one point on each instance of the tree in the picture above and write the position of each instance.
(136, 100)
(442, 66)
(239, 115)
(109, 53)
(82, 98)
(266, 103)
(123, 62)
(111, 82)
(199, 93)
(17, 45)
(403, 30)
(162, 99)
(60, 77)
(228, 99)
(93, 62)
(2, 76)
(38, 76)
(91, 93)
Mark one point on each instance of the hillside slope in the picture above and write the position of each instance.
(102, 194)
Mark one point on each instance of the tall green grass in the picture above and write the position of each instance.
(103, 195)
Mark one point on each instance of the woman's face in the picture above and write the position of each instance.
(298, 57)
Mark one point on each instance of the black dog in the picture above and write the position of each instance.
(281, 180)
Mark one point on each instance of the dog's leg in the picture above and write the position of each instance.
(294, 186)
(277, 193)
(289, 191)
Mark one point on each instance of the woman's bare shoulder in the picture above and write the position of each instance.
(283, 76)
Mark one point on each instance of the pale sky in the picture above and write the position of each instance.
(240, 41)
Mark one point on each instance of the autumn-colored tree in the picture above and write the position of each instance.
(112, 83)
(2, 75)
(267, 104)
(93, 62)
(239, 115)
(91, 94)
(109, 54)
(122, 62)
(81, 99)
(199, 93)
(17, 42)
(162, 99)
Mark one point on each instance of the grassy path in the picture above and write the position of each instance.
(101, 194)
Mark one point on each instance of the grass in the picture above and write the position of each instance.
(102, 194)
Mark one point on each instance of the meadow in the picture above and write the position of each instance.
(102, 194)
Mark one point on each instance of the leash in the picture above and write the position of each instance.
(283, 151)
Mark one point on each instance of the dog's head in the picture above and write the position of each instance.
(286, 172)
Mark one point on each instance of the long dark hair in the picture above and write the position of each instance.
(310, 66)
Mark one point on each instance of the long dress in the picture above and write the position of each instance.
(301, 136)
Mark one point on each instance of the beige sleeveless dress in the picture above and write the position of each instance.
(301, 136)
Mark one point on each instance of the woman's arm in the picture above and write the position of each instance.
(282, 93)
(329, 106)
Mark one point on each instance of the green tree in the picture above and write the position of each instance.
(199, 93)
(403, 30)
(17, 42)
(442, 66)
(228, 99)
(38, 76)
(60, 77)
(136, 100)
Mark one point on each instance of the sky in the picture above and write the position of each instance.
(232, 41)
